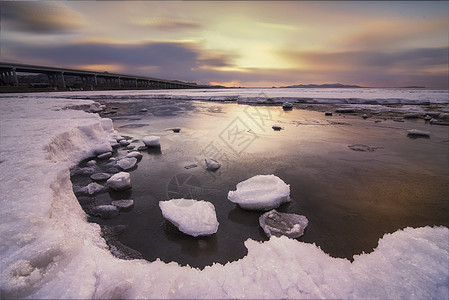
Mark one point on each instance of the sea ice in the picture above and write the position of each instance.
(127, 163)
(193, 217)
(212, 164)
(261, 192)
(151, 141)
(120, 181)
(278, 224)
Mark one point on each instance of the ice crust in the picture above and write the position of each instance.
(49, 250)
(193, 217)
(261, 192)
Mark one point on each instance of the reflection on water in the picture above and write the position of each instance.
(353, 179)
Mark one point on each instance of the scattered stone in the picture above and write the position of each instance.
(127, 163)
(328, 113)
(105, 155)
(144, 110)
(276, 127)
(123, 204)
(177, 129)
(130, 147)
(120, 181)
(418, 133)
(135, 154)
(212, 164)
(142, 148)
(124, 143)
(432, 114)
(151, 141)
(191, 166)
(428, 118)
(437, 122)
(361, 148)
(287, 106)
(192, 217)
(365, 116)
(398, 120)
(114, 144)
(377, 121)
(105, 211)
(100, 176)
(278, 224)
(111, 169)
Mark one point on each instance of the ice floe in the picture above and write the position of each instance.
(261, 192)
(193, 217)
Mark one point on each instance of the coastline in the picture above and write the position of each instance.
(49, 249)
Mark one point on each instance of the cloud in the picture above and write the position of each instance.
(39, 17)
(167, 24)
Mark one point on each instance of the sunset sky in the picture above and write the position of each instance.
(385, 44)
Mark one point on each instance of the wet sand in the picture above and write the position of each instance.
(354, 179)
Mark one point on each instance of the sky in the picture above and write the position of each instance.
(238, 43)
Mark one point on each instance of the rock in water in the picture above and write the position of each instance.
(192, 217)
(151, 141)
(261, 192)
(127, 163)
(119, 182)
(212, 164)
(277, 224)
(123, 204)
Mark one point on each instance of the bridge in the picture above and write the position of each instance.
(65, 78)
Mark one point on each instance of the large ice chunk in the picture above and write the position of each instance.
(192, 217)
(277, 224)
(261, 192)
(120, 181)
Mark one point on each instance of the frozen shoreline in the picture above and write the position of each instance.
(49, 250)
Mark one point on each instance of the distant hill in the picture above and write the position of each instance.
(329, 85)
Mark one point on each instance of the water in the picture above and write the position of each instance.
(354, 179)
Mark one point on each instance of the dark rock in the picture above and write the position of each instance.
(100, 176)
(278, 224)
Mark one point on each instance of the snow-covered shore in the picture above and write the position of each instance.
(49, 250)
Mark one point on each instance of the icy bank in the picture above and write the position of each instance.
(48, 250)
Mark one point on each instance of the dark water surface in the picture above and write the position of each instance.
(354, 179)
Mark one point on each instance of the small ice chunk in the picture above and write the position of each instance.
(104, 155)
(120, 181)
(135, 154)
(212, 164)
(100, 176)
(151, 141)
(127, 163)
(261, 192)
(91, 163)
(95, 188)
(144, 110)
(123, 204)
(277, 224)
(106, 211)
(365, 116)
(418, 133)
(276, 127)
(192, 217)
(124, 143)
(96, 107)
